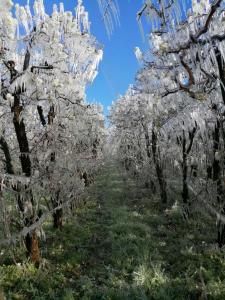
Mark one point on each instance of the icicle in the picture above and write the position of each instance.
(42, 8)
(17, 7)
(24, 20)
(29, 15)
(222, 50)
(86, 23)
(55, 9)
(20, 117)
(36, 8)
(69, 20)
(138, 54)
(61, 8)
(109, 10)
(10, 99)
(82, 19)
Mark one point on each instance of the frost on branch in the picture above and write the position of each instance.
(50, 138)
(110, 13)
(138, 54)
(168, 129)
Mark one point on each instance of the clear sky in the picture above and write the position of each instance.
(119, 65)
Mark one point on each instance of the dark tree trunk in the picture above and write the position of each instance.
(21, 138)
(32, 246)
(216, 162)
(8, 160)
(159, 168)
(58, 219)
(221, 232)
(209, 172)
(127, 164)
(162, 183)
(185, 192)
(220, 63)
(147, 141)
(31, 239)
(216, 170)
(86, 180)
(150, 183)
(58, 213)
(23, 145)
(41, 115)
(186, 149)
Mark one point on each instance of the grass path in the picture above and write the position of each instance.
(119, 247)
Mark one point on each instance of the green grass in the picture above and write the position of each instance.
(119, 246)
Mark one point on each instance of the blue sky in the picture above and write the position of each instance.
(119, 65)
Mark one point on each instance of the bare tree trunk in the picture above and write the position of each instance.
(159, 168)
(185, 192)
(32, 246)
(216, 168)
(31, 239)
(4, 213)
(58, 219)
(148, 152)
(58, 212)
(220, 63)
(186, 149)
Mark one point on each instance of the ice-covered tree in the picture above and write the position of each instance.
(46, 62)
(177, 105)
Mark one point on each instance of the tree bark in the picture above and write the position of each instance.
(159, 168)
(32, 246)
(220, 63)
(185, 152)
(150, 183)
(185, 192)
(58, 213)
(58, 219)
(216, 170)
(31, 239)
(8, 160)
